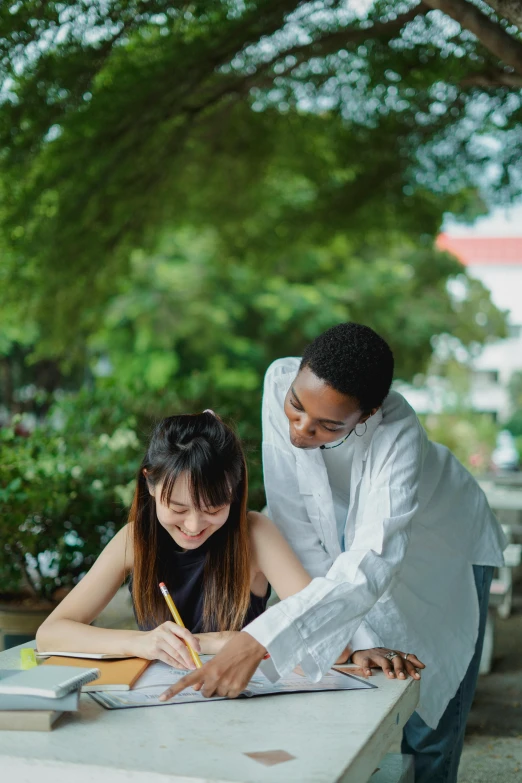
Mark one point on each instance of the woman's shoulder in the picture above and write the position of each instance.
(124, 534)
(258, 522)
(261, 529)
(121, 545)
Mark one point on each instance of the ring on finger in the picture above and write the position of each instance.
(406, 656)
(392, 654)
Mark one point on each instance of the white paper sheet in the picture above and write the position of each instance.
(157, 678)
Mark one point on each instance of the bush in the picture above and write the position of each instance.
(64, 492)
(470, 436)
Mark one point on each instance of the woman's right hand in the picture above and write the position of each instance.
(167, 643)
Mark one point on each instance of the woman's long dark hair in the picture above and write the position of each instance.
(210, 454)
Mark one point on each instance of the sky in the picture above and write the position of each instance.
(501, 222)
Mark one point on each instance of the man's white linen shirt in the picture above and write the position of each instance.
(416, 523)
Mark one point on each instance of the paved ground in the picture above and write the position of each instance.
(493, 748)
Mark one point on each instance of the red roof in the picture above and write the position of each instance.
(483, 250)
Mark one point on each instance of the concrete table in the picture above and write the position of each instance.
(335, 738)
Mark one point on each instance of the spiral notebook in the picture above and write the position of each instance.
(52, 682)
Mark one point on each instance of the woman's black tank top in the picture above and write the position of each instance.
(185, 580)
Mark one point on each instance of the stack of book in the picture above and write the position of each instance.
(34, 699)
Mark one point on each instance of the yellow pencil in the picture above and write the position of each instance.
(177, 619)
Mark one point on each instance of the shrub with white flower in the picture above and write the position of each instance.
(64, 491)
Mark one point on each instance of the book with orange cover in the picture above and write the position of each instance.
(115, 675)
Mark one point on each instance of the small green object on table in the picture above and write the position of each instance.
(28, 658)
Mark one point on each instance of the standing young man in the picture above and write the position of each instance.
(397, 534)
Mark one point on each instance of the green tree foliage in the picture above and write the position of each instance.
(193, 326)
(514, 425)
(122, 117)
(193, 310)
(189, 190)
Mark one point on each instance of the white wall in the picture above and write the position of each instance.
(503, 356)
(505, 284)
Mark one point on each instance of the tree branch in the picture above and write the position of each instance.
(508, 9)
(488, 32)
(240, 84)
(332, 42)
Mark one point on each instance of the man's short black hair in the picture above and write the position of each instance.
(353, 360)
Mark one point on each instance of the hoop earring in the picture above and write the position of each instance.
(360, 434)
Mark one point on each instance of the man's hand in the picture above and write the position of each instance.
(400, 665)
(228, 673)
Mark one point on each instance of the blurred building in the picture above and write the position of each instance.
(497, 262)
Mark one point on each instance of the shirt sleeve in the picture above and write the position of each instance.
(365, 638)
(286, 507)
(312, 627)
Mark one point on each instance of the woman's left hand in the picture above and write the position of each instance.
(400, 665)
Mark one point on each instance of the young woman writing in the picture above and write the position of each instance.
(188, 527)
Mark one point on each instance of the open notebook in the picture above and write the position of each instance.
(157, 678)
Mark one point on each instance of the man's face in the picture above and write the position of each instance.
(318, 414)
